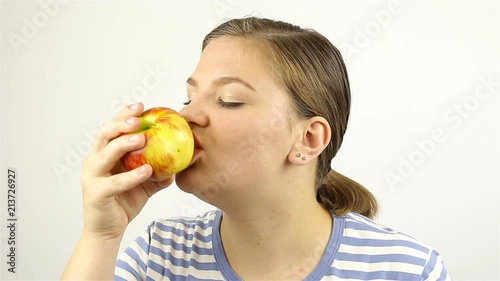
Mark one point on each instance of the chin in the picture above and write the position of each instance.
(190, 179)
(184, 180)
(197, 183)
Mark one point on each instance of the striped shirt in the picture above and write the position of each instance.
(358, 249)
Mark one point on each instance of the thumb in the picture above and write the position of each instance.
(151, 187)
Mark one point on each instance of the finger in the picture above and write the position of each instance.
(108, 158)
(133, 200)
(114, 128)
(122, 182)
(135, 109)
(108, 130)
(152, 187)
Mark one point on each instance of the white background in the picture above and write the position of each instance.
(66, 66)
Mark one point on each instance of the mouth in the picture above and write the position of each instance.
(197, 143)
(198, 149)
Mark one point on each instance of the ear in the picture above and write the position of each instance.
(313, 139)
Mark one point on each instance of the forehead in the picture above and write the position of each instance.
(232, 56)
(243, 58)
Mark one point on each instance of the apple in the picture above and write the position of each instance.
(169, 144)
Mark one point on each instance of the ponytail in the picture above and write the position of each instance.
(341, 195)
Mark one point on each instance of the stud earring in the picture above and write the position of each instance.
(298, 155)
(304, 158)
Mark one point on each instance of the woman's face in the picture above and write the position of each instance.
(240, 116)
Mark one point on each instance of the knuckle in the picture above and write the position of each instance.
(83, 178)
(116, 181)
(123, 145)
(87, 165)
(86, 182)
(103, 129)
(125, 108)
(85, 168)
(113, 126)
(87, 160)
(116, 146)
(101, 158)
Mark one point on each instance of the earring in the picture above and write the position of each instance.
(298, 155)
(304, 158)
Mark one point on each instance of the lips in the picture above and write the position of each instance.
(198, 149)
(197, 143)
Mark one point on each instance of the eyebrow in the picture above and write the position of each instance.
(222, 81)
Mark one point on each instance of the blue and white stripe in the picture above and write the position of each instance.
(360, 249)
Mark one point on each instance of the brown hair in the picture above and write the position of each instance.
(312, 71)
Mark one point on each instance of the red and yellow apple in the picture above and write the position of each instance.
(169, 144)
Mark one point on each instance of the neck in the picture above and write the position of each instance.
(277, 234)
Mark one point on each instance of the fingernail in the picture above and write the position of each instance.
(134, 106)
(133, 138)
(130, 120)
(142, 170)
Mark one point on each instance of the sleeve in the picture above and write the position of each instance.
(435, 270)
(132, 263)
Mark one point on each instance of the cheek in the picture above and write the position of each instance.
(272, 132)
(257, 139)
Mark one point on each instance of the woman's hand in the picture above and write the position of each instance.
(113, 197)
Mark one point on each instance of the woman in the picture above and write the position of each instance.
(269, 105)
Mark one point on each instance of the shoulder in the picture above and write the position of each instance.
(176, 232)
(368, 246)
(181, 232)
(171, 248)
(177, 225)
(361, 230)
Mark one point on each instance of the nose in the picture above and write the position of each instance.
(195, 114)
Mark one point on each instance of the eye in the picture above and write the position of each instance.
(187, 102)
(228, 104)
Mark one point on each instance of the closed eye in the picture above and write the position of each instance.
(221, 103)
(225, 104)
